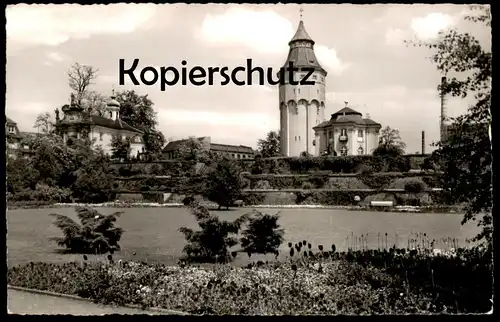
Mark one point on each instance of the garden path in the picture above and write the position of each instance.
(20, 302)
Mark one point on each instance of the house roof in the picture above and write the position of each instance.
(9, 121)
(230, 148)
(216, 147)
(117, 124)
(175, 145)
(347, 116)
(301, 34)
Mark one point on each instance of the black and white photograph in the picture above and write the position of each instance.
(248, 159)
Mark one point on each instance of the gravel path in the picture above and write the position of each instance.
(19, 302)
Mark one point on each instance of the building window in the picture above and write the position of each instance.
(343, 151)
(330, 134)
(295, 138)
(12, 129)
(360, 150)
(100, 136)
(343, 132)
(360, 134)
(110, 115)
(315, 77)
(299, 137)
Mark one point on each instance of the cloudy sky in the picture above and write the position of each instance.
(361, 47)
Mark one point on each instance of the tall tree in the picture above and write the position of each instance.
(44, 123)
(465, 156)
(80, 77)
(137, 110)
(390, 139)
(223, 184)
(270, 146)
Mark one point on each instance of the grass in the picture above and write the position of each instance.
(151, 234)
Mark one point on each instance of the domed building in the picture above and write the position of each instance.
(79, 122)
(303, 127)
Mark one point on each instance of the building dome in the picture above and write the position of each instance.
(113, 102)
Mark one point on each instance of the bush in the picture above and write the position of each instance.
(253, 198)
(262, 234)
(46, 193)
(262, 184)
(212, 242)
(223, 185)
(414, 186)
(96, 233)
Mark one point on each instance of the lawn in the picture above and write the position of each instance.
(151, 234)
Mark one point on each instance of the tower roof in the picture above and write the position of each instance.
(302, 56)
(301, 34)
(113, 102)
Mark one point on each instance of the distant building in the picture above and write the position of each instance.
(347, 133)
(233, 151)
(78, 122)
(14, 139)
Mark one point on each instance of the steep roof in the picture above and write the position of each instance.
(117, 124)
(347, 116)
(175, 145)
(9, 121)
(230, 148)
(347, 111)
(301, 34)
(302, 56)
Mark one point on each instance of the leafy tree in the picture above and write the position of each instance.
(96, 233)
(223, 184)
(120, 147)
(44, 123)
(20, 175)
(93, 183)
(390, 141)
(270, 146)
(262, 234)
(137, 110)
(213, 241)
(191, 150)
(80, 77)
(465, 156)
(95, 101)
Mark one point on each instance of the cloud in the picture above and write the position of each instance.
(328, 57)
(54, 57)
(262, 31)
(52, 25)
(428, 27)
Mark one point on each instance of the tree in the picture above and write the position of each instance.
(93, 179)
(94, 101)
(120, 147)
(390, 140)
(213, 241)
(44, 123)
(465, 156)
(270, 146)
(137, 110)
(262, 234)
(80, 77)
(96, 233)
(191, 150)
(223, 184)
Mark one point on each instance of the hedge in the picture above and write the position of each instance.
(292, 165)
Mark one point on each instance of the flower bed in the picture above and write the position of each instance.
(363, 282)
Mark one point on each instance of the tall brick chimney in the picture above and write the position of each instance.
(442, 125)
(423, 142)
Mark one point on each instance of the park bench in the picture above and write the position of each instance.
(381, 203)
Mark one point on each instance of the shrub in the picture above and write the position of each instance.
(223, 185)
(414, 186)
(96, 233)
(253, 198)
(307, 185)
(46, 193)
(212, 242)
(262, 184)
(262, 234)
(378, 182)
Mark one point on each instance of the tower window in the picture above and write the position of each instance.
(360, 150)
(111, 115)
(330, 134)
(12, 129)
(343, 132)
(360, 134)
(298, 90)
(295, 138)
(343, 151)
(299, 137)
(315, 77)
